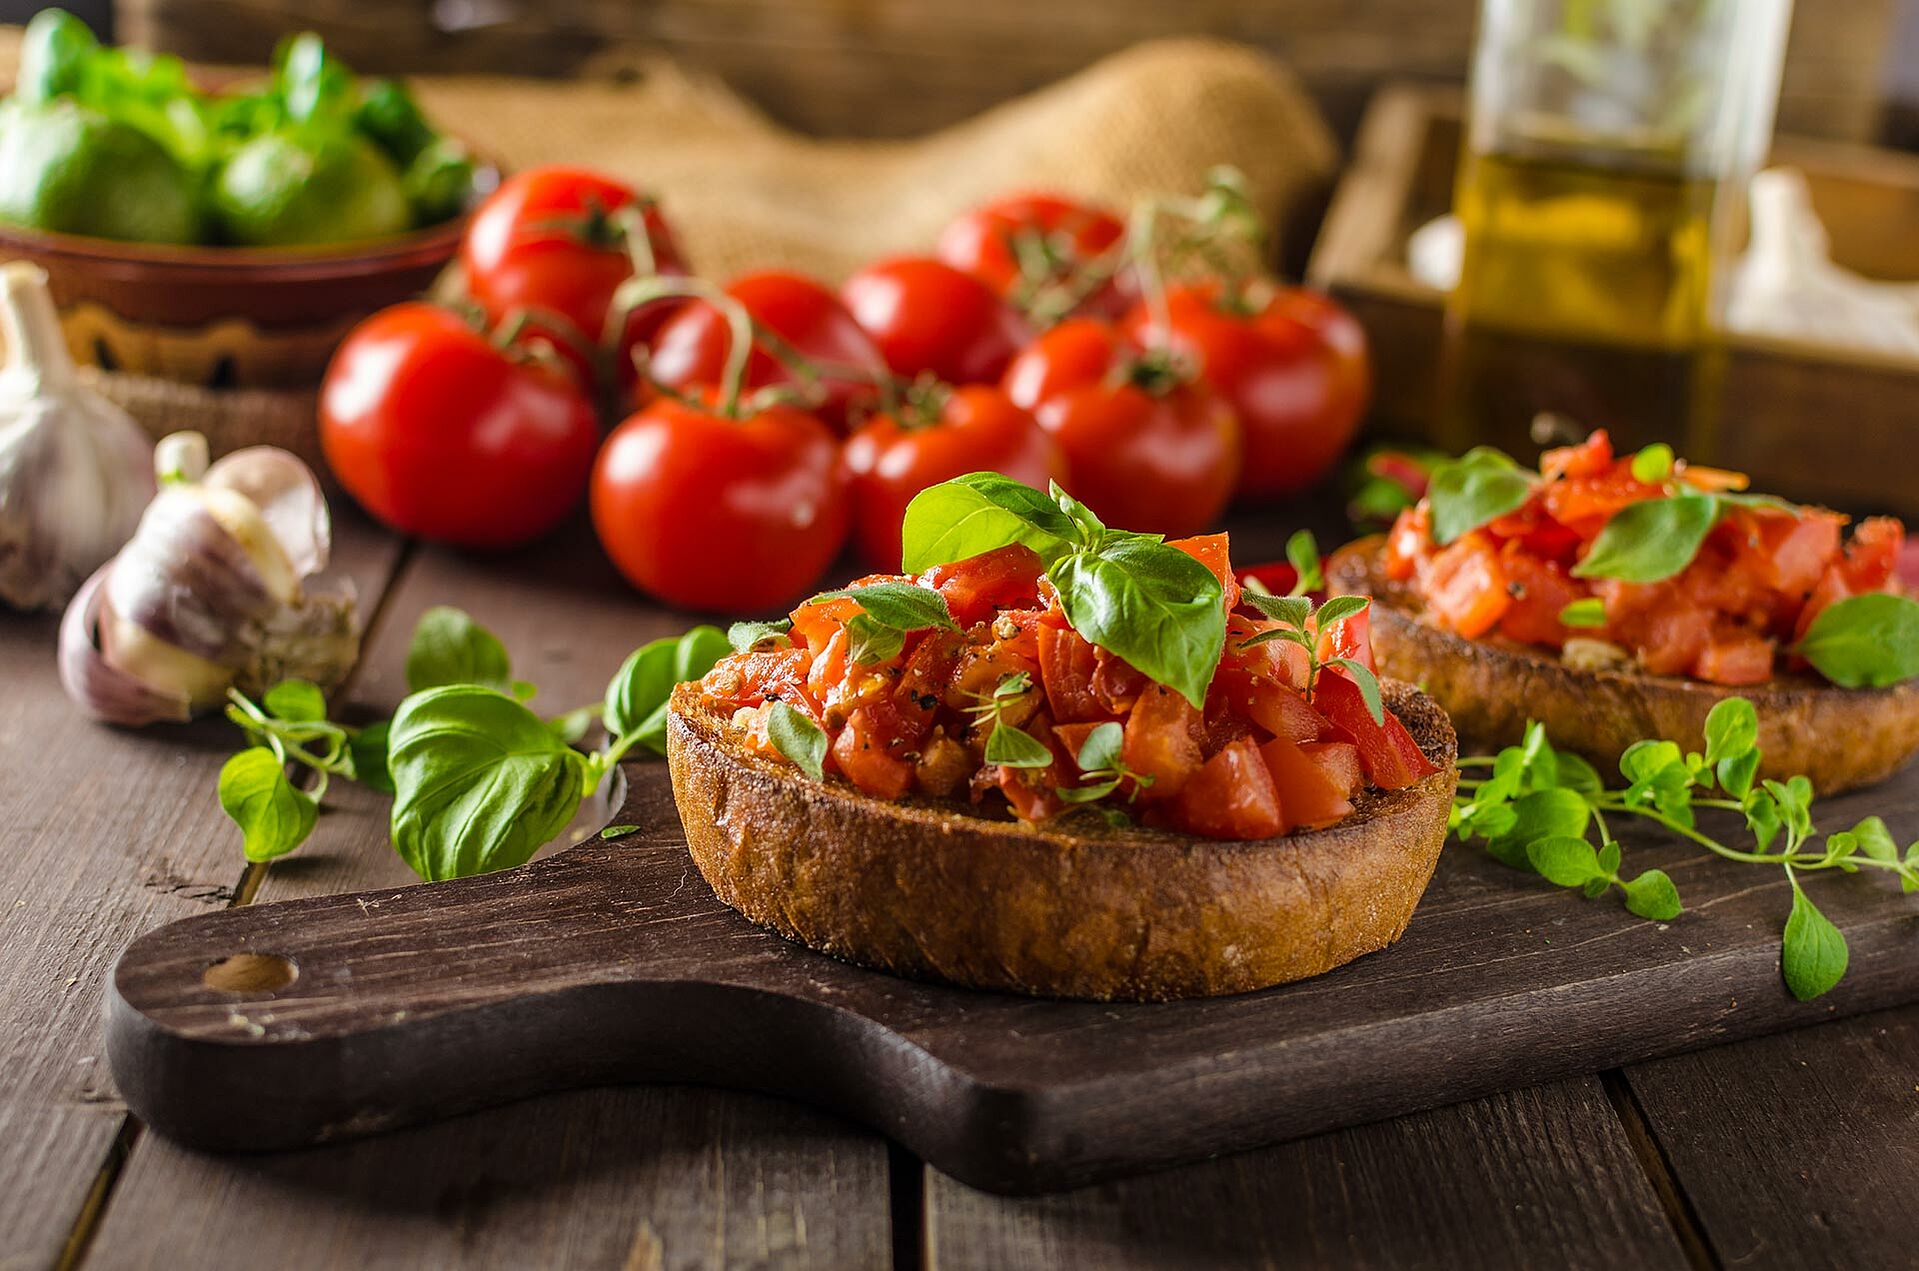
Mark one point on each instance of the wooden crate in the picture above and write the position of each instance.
(1814, 422)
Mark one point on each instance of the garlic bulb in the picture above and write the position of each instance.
(211, 592)
(75, 470)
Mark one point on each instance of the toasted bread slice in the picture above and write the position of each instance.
(1839, 737)
(926, 888)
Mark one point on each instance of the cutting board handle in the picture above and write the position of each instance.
(278, 1025)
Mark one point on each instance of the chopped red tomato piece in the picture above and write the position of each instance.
(1162, 739)
(1211, 551)
(1466, 588)
(1387, 752)
(863, 755)
(1310, 793)
(1341, 761)
(1540, 591)
(1735, 658)
(1006, 578)
(1589, 457)
(1232, 796)
(1350, 637)
(1067, 664)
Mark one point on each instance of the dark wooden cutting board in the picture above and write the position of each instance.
(613, 962)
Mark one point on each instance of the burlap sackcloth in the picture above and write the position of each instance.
(744, 193)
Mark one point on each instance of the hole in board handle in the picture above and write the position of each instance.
(251, 973)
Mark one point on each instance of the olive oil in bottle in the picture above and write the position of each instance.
(1585, 292)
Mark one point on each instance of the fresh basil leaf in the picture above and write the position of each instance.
(1011, 747)
(1150, 604)
(296, 701)
(904, 606)
(1652, 895)
(1338, 609)
(870, 641)
(1368, 686)
(637, 695)
(1588, 611)
(1650, 540)
(1875, 840)
(977, 513)
(1491, 821)
(747, 637)
(450, 648)
(1869, 641)
(1100, 752)
(480, 782)
(1291, 610)
(1091, 528)
(1302, 553)
(1653, 464)
(274, 817)
(1813, 955)
(366, 753)
(1481, 485)
(798, 738)
(1732, 729)
(1011, 686)
(1567, 861)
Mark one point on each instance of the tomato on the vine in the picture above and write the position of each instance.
(1035, 249)
(712, 510)
(1145, 447)
(1292, 363)
(556, 243)
(936, 435)
(439, 432)
(929, 318)
(806, 315)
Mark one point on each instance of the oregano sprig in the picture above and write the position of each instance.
(1547, 810)
(1007, 745)
(1300, 623)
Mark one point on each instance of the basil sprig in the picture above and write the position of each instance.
(1130, 594)
(1869, 641)
(1481, 485)
(889, 612)
(1652, 539)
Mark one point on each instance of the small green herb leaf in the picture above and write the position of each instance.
(746, 637)
(1100, 752)
(1652, 895)
(1338, 609)
(1869, 641)
(1543, 814)
(366, 755)
(1875, 840)
(1736, 773)
(1588, 611)
(1650, 540)
(906, 606)
(480, 782)
(1653, 464)
(1567, 861)
(618, 831)
(1480, 486)
(450, 648)
(1302, 553)
(870, 641)
(1011, 747)
(297, 701)
(1291, 610)
(1814, 955)
(798, 738)
(1732, 729)
(273, 816)
(980, 512)
(1368, 686)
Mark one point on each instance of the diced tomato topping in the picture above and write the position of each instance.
(1390, 757)
(1210, 550)
(1033, 792)
(1591, 456)
(1005, 578)
(1340, 760)
(1116, 685)
(1466, 588)
(1409, 544)
(1540, 590)
(1067, 663)
(1736, 657)
(1232, 796)
(864, 755)
(1873, 554)
(1312, 793)
(1162, 739)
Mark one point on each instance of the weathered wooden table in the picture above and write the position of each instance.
(1792, 1150)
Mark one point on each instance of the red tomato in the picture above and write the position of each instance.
(552, 242)
(1735, 657)
(1231, 797)
(973, 428)
(1350, 637)
(1144, 450)
(1465, 587)
(1294, 369)
(1214, 552)
(709, 512)
(1540, 591)
(1310, 793)
(807, 316)
(861, 753)
(1004, 578)
(929, 318)
(1066, 667)
(1161, 739)
(1389, 755)
(1026, 244)
(439, 433)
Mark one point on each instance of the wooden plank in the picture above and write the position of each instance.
(1797, 1150)
(84, 871)
(638, 1177)
(1538, 1177)
(902, 67)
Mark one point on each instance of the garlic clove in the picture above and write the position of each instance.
(102, 689)
(185, 580)
(289, 500)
